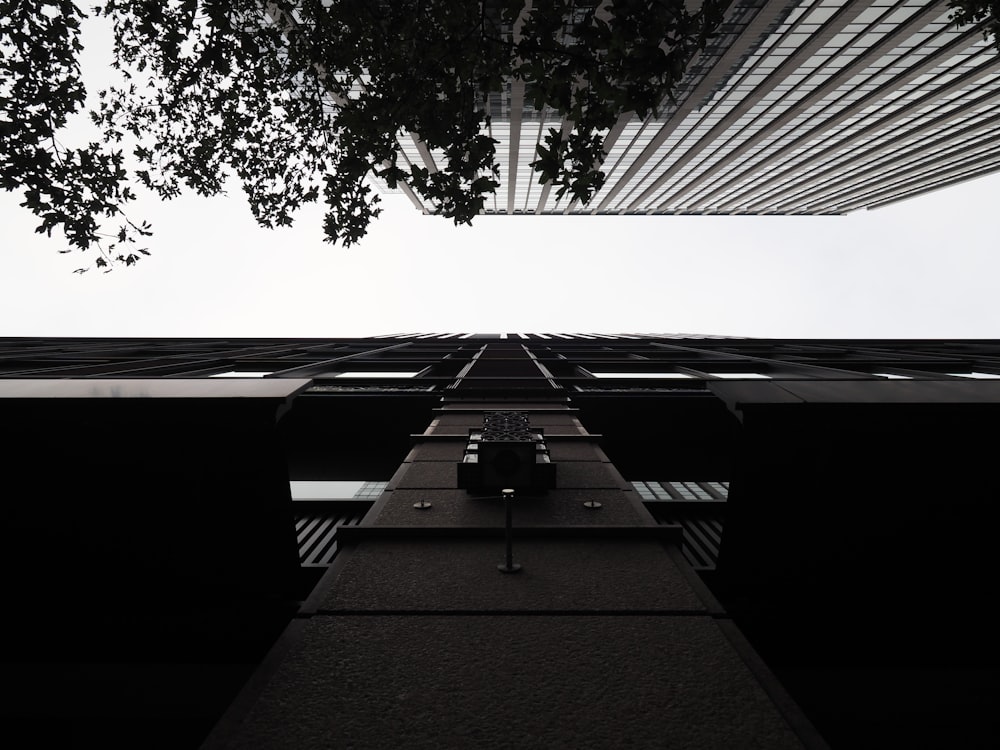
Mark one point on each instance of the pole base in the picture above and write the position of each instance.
(503, 568)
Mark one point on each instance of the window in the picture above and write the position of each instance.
(375, 374)
(642, 375)
(690, 491)
(239, 374)
(336, 490)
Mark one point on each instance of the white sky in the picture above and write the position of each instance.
(927, 267)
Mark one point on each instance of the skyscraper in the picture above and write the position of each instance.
(800, 107)
(288, 543)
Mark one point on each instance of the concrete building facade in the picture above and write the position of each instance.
(303, 543)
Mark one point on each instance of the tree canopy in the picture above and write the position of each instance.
(304, 100)
(985, 12)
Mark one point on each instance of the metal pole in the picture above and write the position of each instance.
(510, 551)
(509, 566)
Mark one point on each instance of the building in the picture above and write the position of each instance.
(797, 107)
(295, 543)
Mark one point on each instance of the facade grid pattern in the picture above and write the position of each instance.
(801, 107)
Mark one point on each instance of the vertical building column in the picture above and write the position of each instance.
(604, 638)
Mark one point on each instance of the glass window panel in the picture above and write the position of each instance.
(642, 375)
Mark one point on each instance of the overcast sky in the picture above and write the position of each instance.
(926, 267)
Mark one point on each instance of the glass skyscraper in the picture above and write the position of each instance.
(801, 107)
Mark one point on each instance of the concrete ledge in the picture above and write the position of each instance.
(512, 682)
(356, 534)
(558, 574)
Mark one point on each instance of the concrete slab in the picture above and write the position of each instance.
(596, 574)
(453, 450)
(430, 474)
(512, 682)
(572, 451)
(536, 419)
(979, 392)
(569, 475)
(552, 420)
(500, 405)
(462, 428)
(556, 508)
(465, 420)
(588, 474)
